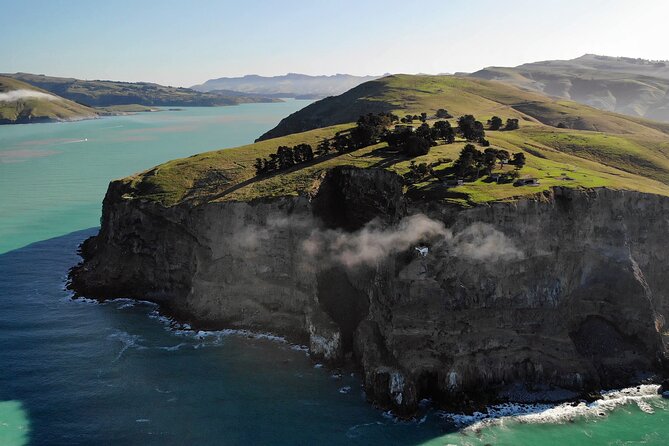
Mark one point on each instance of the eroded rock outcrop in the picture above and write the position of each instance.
(565, 291)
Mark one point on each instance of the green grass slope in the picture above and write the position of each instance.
(404, 94)
(24, 103)
(630, 154)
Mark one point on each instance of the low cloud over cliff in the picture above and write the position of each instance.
(324, 248)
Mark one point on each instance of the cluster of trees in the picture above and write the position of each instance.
(369, 130)
(496, 123)
(284, 158)
(419, 172)
(373, 128)
(408, 119)
(473, 163)
(418, 142)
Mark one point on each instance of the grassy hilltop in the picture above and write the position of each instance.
(32, 104)
(591, 148)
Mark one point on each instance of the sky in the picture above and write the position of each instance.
(183, 43)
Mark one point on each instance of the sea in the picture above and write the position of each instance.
(78, 372)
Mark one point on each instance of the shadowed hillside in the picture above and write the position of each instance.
(634, 87)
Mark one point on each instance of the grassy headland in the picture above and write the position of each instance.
(590, 148)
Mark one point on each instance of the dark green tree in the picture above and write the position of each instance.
(470, 128)
(511, 124)
(285, 157)
(323, 148)
(416, 146)
(495, 123)
(442, 113)
(518, 160)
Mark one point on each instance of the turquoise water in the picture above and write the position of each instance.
(77, 372)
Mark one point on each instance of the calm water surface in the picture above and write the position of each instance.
(77, 372)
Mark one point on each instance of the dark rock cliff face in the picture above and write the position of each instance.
(566, 291)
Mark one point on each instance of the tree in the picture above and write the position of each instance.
(416, 146)
(466, 162)
(518, 160)
(443, 130)
(342, 143)
(408, 119)
(442, 113)
(272, 163)
(303, 153)
(503, 157)
(484, 142)
(423, 117)
(259, 165)
(511, 124)
(470, 128)
(323, 148)
(285, 157)
(489, 160)
(425, 132)
(495, 123)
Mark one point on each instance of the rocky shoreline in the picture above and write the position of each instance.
(563, 292)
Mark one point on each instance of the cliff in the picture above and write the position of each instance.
(565, 290)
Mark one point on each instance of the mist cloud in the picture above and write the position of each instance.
(371, 243)
(482, 242)
(15, 95)
(324, 248)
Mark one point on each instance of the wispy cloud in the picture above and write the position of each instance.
(15, 95)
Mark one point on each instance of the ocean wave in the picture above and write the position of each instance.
(555, 414)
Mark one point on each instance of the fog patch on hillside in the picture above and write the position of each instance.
(16, 95)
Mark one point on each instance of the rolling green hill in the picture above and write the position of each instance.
(601, 148)
(633, 87)
(459, 95)
(99, 93)
(24, 103)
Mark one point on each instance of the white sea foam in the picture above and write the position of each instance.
(354, 431)
(345, 389)
(556, 414)
(127, 341)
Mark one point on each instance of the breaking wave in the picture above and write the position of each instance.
(556, 414)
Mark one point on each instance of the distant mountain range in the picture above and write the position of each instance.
(104, 93)
(635, 87)
(293, 85)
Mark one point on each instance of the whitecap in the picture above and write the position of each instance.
(554, 414)
(345, 389)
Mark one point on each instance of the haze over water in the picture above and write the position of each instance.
(77, 372)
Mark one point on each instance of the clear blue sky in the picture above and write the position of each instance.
(187, 42)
